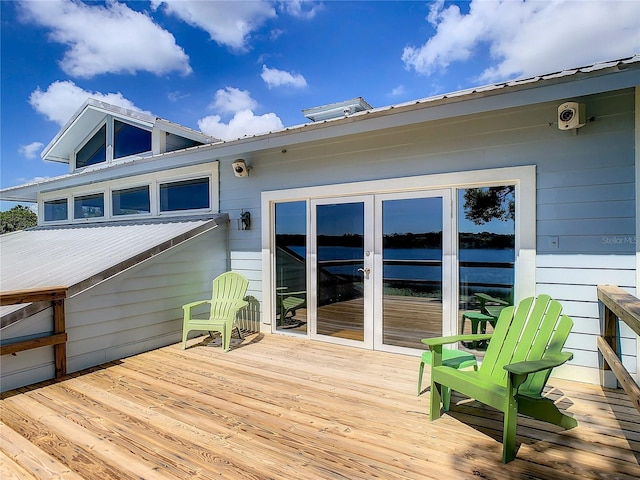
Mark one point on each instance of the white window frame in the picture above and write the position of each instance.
(105, 207)
(41, 210)
(127, 187)
(183, 178)
(523, 178)
(209, 170)
(109, 121)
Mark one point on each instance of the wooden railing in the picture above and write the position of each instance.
(617, 304)
(58, 339)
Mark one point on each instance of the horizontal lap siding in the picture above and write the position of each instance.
(586, 227)
(137, 310)
(585, 190)
(141, 309)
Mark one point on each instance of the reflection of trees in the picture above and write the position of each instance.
(481, 205)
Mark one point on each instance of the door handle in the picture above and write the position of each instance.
(366, 271)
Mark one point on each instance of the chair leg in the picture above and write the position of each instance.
(185, 333)
(226, 338)
(434, 403)
(446, 398)
(420, 372)
(509, 435)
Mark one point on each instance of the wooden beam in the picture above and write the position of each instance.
(56, 339)
(625, 306)
(44, 294)
(60, 349)
(628, 384)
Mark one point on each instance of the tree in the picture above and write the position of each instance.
(18, 218)
(481, 205)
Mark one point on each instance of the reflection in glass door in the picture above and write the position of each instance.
(341, 255)
(414, 259)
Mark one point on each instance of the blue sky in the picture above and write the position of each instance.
(245, 67)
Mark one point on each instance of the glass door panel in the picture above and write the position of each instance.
(414, 257)
(342, 257)
(486, 250)
(291, 267)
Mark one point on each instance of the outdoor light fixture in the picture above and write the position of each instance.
(245, 218)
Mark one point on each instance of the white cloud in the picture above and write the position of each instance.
(398, 91)
(529, 37)
(296, 8)
(232, 100)
(240, 104)
(107, 39)
(61, 100)
(243, 123)
(227, 23)
(279, 78)
(30, 151)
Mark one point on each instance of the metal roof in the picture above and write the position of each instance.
(421, 110)
(92, 113)
(79, 256)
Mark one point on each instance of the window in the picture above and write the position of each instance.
(56, 210)
(88, 206)
(290, 266)
(94, 151)
(129, 140)
(184, 195)
(486, 244)
(131, 201)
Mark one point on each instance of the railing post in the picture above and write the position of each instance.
(59, 350)
(609, 331)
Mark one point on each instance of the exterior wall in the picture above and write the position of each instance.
(585, 192)
(137, 310)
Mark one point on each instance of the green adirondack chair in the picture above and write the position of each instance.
(227, 299)
(525, 346)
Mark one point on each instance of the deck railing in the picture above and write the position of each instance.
(617, 304)
(58, 339)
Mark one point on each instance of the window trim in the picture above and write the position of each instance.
(41, 210)
(118, 188)
(109, 122)
(210, 170)
(105, 207)
(159, 184)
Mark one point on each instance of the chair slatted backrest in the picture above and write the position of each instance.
(526, 333)
(228, 288)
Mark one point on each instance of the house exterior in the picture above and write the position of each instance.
(368, 227)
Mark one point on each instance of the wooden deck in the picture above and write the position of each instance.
(277, 407)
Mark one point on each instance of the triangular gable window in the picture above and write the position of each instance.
(94, 151)
(129, 140)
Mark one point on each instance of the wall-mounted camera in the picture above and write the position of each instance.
(240, 168)
(571, 115)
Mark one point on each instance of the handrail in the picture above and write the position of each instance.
(58, 339)
(617, 304)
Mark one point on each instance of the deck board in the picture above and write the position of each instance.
(277, 407)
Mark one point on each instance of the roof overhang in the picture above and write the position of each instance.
(559, 86)
(90, 115)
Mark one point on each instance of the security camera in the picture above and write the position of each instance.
(240, 168)
(571, 115)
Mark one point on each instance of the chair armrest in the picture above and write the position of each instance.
(291, 294)
(189, 306)
(432, 342)
(489, 298)
(547, 362)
